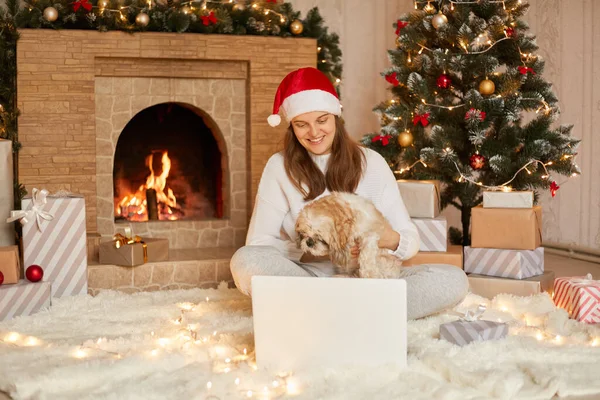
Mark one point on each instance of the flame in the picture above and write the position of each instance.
(134, 206)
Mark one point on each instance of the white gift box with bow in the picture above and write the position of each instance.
(471, 328)
(54, 237)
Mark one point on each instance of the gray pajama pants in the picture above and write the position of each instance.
(430, 288)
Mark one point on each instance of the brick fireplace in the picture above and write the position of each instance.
(79, 91)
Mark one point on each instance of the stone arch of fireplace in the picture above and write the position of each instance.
(221, 105)
(174, 156)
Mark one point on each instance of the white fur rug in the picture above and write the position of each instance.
(119, 346)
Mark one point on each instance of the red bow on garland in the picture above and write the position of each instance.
(82, 3)
(392, 78)
(384, 139)
(422, 118)
(553, 188)
(271, 1)
(209, 19)
(524, 70)
(399, 25)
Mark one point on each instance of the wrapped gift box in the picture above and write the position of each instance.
(580, 296)
(9, 264)
(454, 256)
(7, 231)
(513, 199)
(421, 198)
(433, 233)
(464, 332)
(517, 264)
(506, 228)
(130, 255)
(24, 298)
(491, 286)
(56, 240)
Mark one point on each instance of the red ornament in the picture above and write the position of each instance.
(271, 1)
(444, 81)
(392, 78)
(399, 25)
(554, 188)
(82, 3)
(422, 118)
(1, 278)
(477, 161)
(510, 32)
(34, 273)
(384, 139)
(473, 113)
(524, 70)
(209, 19)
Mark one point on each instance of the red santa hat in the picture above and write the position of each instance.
(304, 90)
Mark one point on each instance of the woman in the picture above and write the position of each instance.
(319, 157)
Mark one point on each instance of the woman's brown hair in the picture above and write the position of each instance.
(344, 170)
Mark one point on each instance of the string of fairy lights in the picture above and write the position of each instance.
(487, 88)
(190, 336)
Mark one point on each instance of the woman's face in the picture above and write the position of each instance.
(315, 131)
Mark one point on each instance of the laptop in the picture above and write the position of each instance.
(304, 322)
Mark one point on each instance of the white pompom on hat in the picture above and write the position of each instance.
(304, 90)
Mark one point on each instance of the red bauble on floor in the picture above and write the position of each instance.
(34, 273)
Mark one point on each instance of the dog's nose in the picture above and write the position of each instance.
(310, 242)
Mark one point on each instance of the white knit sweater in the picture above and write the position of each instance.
(278, 204)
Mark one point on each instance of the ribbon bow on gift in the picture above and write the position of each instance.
(471, 316)
(38, 201)
(585, 280)
(122, 240)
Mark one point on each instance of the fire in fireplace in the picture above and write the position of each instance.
(168, 166)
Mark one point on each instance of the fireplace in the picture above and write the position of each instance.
(187, 140)
(168, 166)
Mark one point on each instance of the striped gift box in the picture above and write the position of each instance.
(59, 245)
(23, 298)
(433, 233)
(580, 296)
(516, 264)
(465, 332)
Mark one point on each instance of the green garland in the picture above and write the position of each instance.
(264, 18)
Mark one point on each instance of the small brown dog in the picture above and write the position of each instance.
(333, 224)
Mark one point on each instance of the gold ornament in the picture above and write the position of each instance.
(487, 87)
(296, 27)
(142, 19)
(405, 139)
(439, 20)
(50, 14)
(238, 7)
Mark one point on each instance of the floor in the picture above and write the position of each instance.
(562, 266)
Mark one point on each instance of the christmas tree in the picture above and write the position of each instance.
(469, 105)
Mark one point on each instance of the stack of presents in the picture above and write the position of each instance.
(54, 242)
(506, 253)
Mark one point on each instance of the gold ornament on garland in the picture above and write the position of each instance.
(50, 14)
(439, 20)
(142, 19)
(238, 7)
(296, 27)
(405, 139)
(487, 87)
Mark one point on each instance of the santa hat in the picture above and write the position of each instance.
(304, 90)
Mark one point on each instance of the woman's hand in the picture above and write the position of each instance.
(354, 251)
(389, 238)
